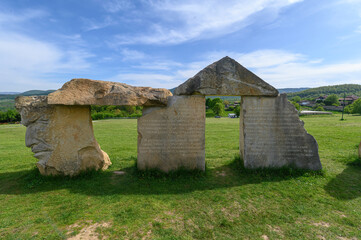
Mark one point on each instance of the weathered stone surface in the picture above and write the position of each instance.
(223, 78)
(61, 137)
(93, 92)
(173, 137)
(271, 135)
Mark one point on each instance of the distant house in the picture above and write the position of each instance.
(305, 103)
(321, 98)
(232, 115)
(347, 100)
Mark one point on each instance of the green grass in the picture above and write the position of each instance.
(225, 202)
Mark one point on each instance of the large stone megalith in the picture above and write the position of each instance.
(61, 137)
(172, 137)
(273, 136)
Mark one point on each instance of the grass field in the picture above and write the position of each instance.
(227, 202)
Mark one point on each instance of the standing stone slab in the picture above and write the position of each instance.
(61, 137)
(271, 135)
(173, 137)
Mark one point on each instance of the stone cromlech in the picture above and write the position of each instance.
(172, 137)
(273, 136)
(171, 132)
(61, 137)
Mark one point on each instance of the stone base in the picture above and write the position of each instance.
(173, 137)
(273, 136)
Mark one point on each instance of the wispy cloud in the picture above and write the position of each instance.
(91, 24)
(25, 15)
(117, 5)
(188, 20)
(129, 54)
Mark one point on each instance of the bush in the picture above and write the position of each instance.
(319, 108)
(348, 109)
(210, 113)
(10, 116)
(237, 111)
(356, 106)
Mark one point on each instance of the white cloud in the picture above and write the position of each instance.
(186, 20)
(26, 63)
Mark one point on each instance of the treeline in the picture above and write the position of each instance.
(339, 90)
(9, 116)
(105, 112)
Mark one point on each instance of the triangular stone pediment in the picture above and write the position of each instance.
(226, 77)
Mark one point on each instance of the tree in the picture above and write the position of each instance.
(356, 106)
(226, 102)
(332, 100)
(208, 102)
(296, 99)
(215, 101)
(218, 108)
(237, 111)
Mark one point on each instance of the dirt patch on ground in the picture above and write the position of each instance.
(87, 232)
(321, 224)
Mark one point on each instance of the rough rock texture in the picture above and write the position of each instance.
(61, 137)
(223, 78)
(173, 137)
(93, 92)
(272, 135)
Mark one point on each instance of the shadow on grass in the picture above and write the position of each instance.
(347, 185)
(148, 182)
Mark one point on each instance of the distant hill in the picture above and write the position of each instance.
(7, 99)
(291, 90)
(340, 90)
(9, 93)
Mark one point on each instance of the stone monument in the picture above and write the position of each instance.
(172, 137)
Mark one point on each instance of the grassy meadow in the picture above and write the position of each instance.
(226, 202)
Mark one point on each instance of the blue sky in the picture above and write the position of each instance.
(160, 43)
